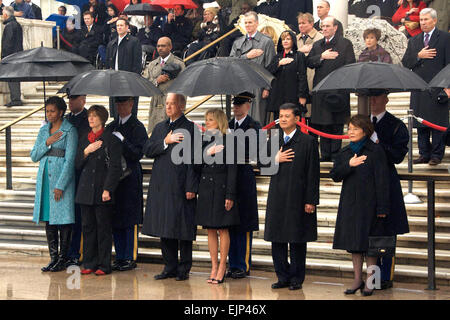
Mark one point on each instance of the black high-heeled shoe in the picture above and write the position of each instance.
(217, 281)
(366, 293)
(353, 291)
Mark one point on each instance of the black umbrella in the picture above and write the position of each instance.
(42, 64)
(110, 83)
(222, 75)
(362, 77)
(442, 79)
(144, 9)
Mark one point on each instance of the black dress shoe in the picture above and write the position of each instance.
(386, 285)
(295, 286)
(421, 160)
(73, 262)
(183, 276)
(127, 265)
(280, 285)
(434, 161)
(117, 264)
(164, 275)
(229, 274)
(239, 274)
(14, 103)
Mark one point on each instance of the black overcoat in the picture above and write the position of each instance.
(70, 40)
(364, 194)
(217, 184)
(290, 81)
(179, 31)
(330, 108)
(247, 196)
(129, 194)
(130, 54)
(12, 37)
(295, 184)
(425, 104)
(89, 42)
(393, 137)
(96, 176)
(168, 214)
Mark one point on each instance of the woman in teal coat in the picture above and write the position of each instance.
(55, 149)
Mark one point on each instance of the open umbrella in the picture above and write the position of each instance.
(187, 4)
(362, 77)
(42, 64)
(110, 83)
(143, 9)
(265, 21)
(79, 3)
(221, 75)
(442, 79)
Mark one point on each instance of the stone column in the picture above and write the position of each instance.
(338, 9)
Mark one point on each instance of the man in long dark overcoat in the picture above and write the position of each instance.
(291, 204)
(129, 194)
(426, 55)
(92, 37)
(241, 236)
(171, 201)
(392, 135)
(330, 112)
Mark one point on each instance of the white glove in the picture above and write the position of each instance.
(374, 137)
(118, 135)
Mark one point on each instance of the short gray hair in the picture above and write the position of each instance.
(253, 14)
(9, 11)
(430, 11)
(181, 99)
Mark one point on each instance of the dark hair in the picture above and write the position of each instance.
(116, 11)
(58, 102)
(64, 8)
(415, 3)
(139, 1)
(290, 106)
(123, 19)
(100, 111)
(376, 32)
(88, 13)
(363, 122)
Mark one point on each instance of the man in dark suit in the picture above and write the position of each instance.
(329, 112)
(392, 135)
(241, 236)
(36, 10)
(426, 55)
(323, 8)
(79, 119)
(170, 209)
(124, 53)
(12, 39)
(129, 196)
(291, 218)
(179, 29)
(91, 39)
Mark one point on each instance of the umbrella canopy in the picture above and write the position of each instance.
(392, 40)
(43, 55)
(442, 79)
(362, 77)
(110, 83)
(143, 9)
(79, 3)
(221, 75)
(188, 4)
(265, 21)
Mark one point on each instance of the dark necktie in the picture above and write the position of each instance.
(304, 37)
(327, 41)
(426, 40)
(236, 125)
(374, 120)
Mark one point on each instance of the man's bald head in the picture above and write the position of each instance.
(164, 46)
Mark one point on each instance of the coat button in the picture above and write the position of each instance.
(210, 179)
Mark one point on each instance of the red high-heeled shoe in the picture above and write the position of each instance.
(87, 271)
(100, 272)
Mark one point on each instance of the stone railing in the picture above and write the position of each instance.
(35, 32)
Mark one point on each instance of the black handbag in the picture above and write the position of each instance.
(125, 170)
(381, 244)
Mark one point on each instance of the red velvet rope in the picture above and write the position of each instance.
(431, 125)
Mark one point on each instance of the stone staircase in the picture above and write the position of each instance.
(18, 234)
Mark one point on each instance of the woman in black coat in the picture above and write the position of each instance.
(289, 69)
(99, 160)
(216, 210)
(363, 168)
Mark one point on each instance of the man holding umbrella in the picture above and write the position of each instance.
(12, 39)
(330, 112)
(426, 55)
(124, 53)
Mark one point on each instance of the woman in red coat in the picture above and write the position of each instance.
(408, 15)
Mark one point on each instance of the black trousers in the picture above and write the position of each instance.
(169, 249)
(14, 91)
(96, 224)
(428, 150)
(330, 147)
(293, 271)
